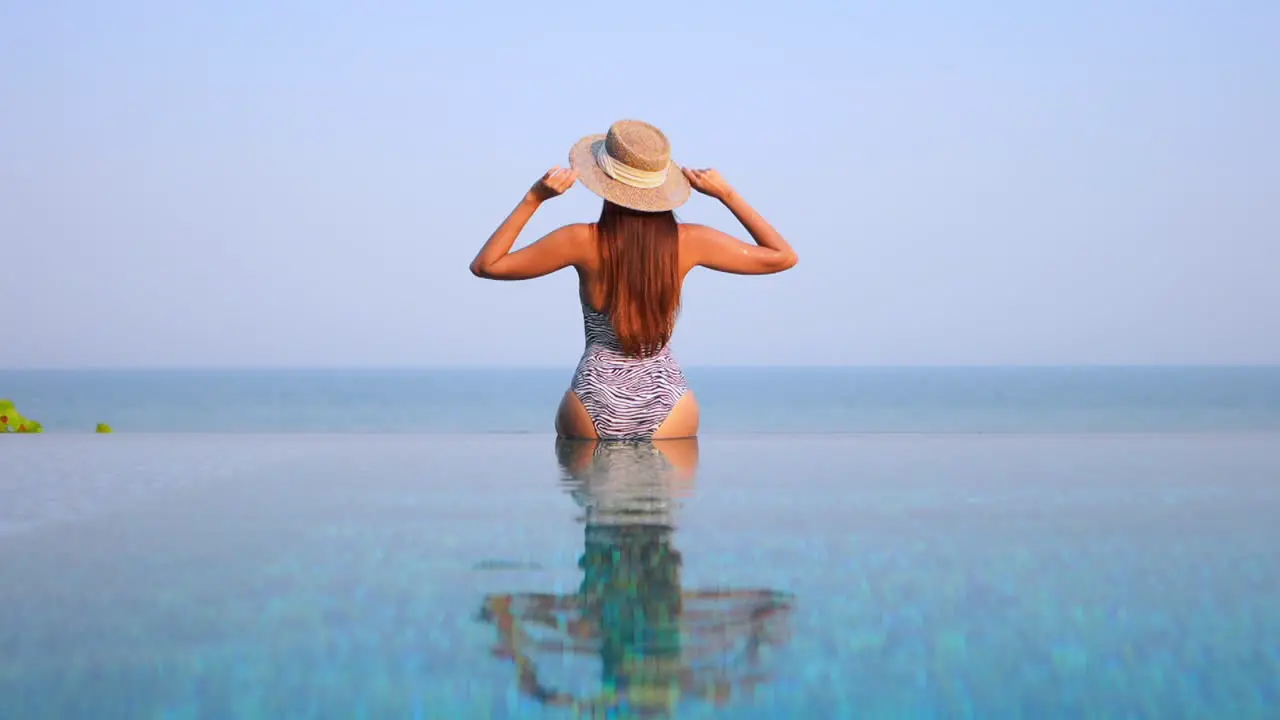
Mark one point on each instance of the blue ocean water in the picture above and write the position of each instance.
(839, 544)
(733, 400)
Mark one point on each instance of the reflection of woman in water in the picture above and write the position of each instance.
(656, 642)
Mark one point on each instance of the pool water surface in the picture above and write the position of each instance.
(504, 576)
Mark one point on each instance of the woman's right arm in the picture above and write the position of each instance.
(719, 251)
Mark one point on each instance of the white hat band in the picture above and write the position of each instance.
(627, 175)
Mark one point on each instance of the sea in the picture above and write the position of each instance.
(1095, 542)
(732, 400)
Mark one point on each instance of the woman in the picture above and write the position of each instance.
(631, 265)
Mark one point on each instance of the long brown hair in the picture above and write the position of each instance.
(639, 254)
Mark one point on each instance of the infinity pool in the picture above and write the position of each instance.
(433, 576)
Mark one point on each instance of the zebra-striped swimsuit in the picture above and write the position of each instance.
(627, 397)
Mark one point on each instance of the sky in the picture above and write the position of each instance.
(293, 184)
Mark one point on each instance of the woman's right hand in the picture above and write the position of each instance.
(709, 183)
(553, 184)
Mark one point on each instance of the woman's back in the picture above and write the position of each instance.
(634, 275)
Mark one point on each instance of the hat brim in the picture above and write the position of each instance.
(668, 196)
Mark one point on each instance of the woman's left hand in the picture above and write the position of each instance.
(554, 183)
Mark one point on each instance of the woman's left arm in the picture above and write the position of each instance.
(558, 249)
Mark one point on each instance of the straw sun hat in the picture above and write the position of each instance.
(631, 166)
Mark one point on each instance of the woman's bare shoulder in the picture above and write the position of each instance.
(585, 243)
(697, 235)
(697, 232)
(575, 238)
(583, 231)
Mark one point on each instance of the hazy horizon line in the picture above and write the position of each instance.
(694, 367)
